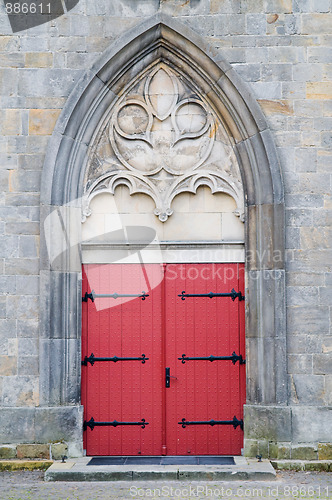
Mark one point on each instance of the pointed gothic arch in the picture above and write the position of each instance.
(164, 39)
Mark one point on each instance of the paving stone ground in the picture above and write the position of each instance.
(288, 485)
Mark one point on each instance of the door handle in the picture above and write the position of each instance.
(167, 377)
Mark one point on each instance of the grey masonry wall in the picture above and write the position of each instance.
(282, 49)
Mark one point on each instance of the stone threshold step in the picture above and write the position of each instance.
(303, 465)
(78, 470)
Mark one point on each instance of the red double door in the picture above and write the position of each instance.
(161, 402)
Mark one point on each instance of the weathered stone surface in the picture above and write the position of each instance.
(322, 364)
(7, 452)
(316, 23)
(306, 424)
(34, 82)
(300, 364)
(303, 296)
(296, 465)
(38, 60)
(75, 448)
(325, 451)
(33, 451)
(26, 181)
(284, 451)
(271, 107)
(22, 266)
(303, 453)
(22, 307)
(319, 90)
(17, 425)
(273, 450)
(24, 227)
(28, 365)
(250, 447)
(301, 320)
(59, 424)
(263, 448)
(301, 465)
(27, 285)
(307, 389)
(21, 391)
(8, 365)
(42, 121)
(11, 123)
(267, 422)
(318, 466)
(256, 24)
(28, 328)
(59, 450)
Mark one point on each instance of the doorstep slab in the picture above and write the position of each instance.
(78, 470)
(63, 465)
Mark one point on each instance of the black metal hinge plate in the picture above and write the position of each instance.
(92, 296)
(235, 422)
(233, 358)
(92, 424)
(233, 295)
(92, 359)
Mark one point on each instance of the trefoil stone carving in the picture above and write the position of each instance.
(163, 139)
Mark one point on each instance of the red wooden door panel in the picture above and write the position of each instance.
(163, 327)
(204, 390)
(125, 391)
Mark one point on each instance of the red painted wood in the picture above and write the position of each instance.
(163, 327)
(204, 390)
(125, 390)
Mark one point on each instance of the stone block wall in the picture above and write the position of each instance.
(282, 49)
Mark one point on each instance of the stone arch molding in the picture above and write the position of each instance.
(72, 172)
(162, 138)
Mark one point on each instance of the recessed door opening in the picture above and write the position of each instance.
(163, 359)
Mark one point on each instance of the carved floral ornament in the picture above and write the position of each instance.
(162, 139)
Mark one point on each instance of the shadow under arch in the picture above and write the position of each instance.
(164, 38)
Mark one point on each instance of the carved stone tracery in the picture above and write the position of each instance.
(162, 139)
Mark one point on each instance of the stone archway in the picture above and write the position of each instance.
(164, 39)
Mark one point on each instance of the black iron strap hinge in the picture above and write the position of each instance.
(92, 424)
(235, 422)
(233, 295)
(92, 359)
(93, 295)
(233, 358)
